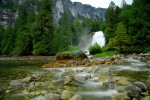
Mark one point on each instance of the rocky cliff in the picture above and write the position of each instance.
(73, 10)
(77, 9)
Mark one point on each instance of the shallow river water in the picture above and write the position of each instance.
(89, 89)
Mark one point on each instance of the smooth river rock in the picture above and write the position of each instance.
(76, 97)
(16, 83)
(141, 85)
(52, 96)
(66, 95)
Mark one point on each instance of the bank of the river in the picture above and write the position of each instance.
(4, 57)
(121, 77)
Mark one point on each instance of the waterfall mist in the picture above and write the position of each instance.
(90, 39)
(99, 38)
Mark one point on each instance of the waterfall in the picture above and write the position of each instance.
(99, 38)
(90, 39)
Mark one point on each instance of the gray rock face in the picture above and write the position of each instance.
(73, 10)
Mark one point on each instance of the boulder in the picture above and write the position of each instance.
(62, 56)
(143, 59)
(135, 88)
(80, 79)
(27, 79)
(103, 78)
(68, 80)
(72, 55)
(134, 94)
(66, 95)
(37, 84)
(16, 83)
(25, 91)
(141, 85)
(52, 96)
(145, 94)
(121, 89)
(146, 98)
(123, 81)
(76, 97)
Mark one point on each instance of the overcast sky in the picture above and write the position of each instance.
(102, 3)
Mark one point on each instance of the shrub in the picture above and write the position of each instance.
(73, 48)
(94, 49)
(147, 50)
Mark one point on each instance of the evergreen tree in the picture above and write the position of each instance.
(120, 41)
(43, 29)
(1, 38)
(65, 30)
(23, 38)
(110, 21)
(8, 40)
(139, 25)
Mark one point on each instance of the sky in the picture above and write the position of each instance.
(101, 3)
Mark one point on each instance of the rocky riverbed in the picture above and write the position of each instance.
(121, 77)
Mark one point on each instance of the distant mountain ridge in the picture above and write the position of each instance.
(77, 9)
(73, 10)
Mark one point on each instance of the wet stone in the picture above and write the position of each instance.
(76, 97)
(134, 94)
(141, 85)
(16, 83)
(52, 96)
(66, 95)
(80, 79)
(145, 94)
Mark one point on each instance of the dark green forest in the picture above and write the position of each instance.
(126, 29)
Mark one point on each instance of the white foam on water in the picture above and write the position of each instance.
(38, 98)
(120, 68)
(90, 83)
(100, 93)
(138, 64)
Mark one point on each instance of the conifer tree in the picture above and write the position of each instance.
(43, 29)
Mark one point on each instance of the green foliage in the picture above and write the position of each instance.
(65, 30)
(126, 29)
(107, 53)
(43, 29)
(147, 49)
(94, 49)
(8, 40)
(120, 41)
(23, 44)
(71, 49)
(9, 4)
(23, 41)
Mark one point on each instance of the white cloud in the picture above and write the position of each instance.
(102, 3)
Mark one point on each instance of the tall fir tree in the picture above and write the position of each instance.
(43, 29)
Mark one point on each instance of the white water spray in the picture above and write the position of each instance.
(92, 38)
(99, 38)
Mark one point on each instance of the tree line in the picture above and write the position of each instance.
(126, 29)
(36, 34)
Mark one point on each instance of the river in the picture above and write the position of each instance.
(89, 82)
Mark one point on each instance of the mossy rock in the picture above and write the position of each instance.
(146, 98)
